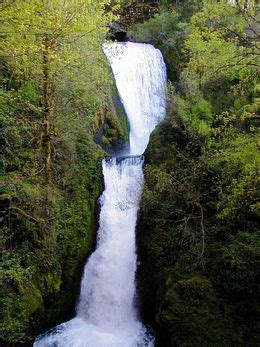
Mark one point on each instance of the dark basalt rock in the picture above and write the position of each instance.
(117, 147)
(132, 159)
(120, 36)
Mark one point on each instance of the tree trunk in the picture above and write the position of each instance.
(47, 102)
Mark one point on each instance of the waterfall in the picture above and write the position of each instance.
(140, 76)
(107, 315)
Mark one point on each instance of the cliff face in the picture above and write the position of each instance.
(44, 256)
(48, 232)
(197, 278)
(197, 232)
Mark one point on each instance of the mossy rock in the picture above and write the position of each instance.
(188, 314)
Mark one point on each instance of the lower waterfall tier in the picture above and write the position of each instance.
(106, 311)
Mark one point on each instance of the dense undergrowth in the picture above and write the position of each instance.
(48, 230)
(198, 240)
(57, 96)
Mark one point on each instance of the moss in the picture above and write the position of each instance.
(20, 312)
(190, 313)
(192, 296)
(197, 229)
(113, 133)
(48, 233)
(121, 114)
(43, 270)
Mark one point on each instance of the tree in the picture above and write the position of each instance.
(43, 39)
(220, 44)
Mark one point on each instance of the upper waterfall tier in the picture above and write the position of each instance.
(140, 75)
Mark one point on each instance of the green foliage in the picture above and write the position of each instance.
(48, 232)
(237, 166)
(189, 306)
(40, 268)
(197, 234)
(166, 31)
(199, 216)
(215, 43)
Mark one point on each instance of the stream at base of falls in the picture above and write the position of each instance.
(107, 310)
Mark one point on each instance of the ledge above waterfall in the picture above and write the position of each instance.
(130, 159)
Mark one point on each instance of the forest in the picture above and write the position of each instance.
(197, 234)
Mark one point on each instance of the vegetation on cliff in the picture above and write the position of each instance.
(56, 97)
(198, 240)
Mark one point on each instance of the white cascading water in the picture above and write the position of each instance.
(107, 315)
